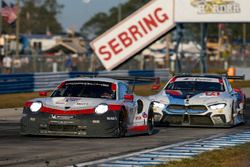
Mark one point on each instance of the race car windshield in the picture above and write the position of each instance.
(195, 86)
(88, 89)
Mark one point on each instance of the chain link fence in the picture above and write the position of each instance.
(58, 63)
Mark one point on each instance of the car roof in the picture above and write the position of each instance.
(96, 79)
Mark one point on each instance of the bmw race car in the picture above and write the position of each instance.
(199, 100)
(88, 107)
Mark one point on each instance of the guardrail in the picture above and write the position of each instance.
(17, 83)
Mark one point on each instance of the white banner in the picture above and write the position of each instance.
(212, 10)
(134, 33)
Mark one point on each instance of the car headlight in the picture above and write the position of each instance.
(101, 109)
(158, 105)
(35, 106)
(217, 106)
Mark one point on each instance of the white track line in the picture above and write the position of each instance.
(172, 152)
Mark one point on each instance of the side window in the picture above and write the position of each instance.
(228, 85)
(123, 90)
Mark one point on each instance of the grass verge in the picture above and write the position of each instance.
(237, 156)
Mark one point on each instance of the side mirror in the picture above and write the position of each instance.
(155, 87)
(43, 93)
(238, 90)
(129, 97)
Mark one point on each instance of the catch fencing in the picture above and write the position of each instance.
(33, 82)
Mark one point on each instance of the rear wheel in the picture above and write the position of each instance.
(150, 123)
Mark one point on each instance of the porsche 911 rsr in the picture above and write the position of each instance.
(91, 107)
(199, 100)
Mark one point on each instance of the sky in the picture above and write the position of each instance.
(76, 12)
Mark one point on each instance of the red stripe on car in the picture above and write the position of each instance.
(67, 112)
(28, 103)
(138, 128)
(114, 107)
(172, 79)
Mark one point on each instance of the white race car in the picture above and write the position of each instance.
(199, 100)
(88, 107)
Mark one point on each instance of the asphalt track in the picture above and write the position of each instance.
(16, 150)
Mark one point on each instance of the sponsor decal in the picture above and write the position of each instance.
(63, 117)
(72, 99)
(82, 103)
(61, 102)
(144, 115)
(95, 121)
(201, 79)
(88, 83)
(111, 118)
(216, 6)
(138, 118)
(212, 93)
(60, 122)
(32, 119)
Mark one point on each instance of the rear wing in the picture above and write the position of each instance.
(133, 80)
(236, 77)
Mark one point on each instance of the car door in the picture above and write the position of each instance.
(232, 94)
(129, 105)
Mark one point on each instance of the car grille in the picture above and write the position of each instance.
(189, 109)
(200, 120)
(62, 128)
(188, 119)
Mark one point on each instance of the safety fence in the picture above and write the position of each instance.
(17, 83)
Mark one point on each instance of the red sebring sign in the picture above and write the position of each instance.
(134, 33)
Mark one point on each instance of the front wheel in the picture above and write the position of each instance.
(242, 114)
(232, 123)
(121, 131)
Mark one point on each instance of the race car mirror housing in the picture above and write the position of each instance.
(155, 87)
(129, 97)
(43, 93)
(238, 90)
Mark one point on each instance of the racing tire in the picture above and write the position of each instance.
(121, 131)
(242, 115)
(232, 123)
(150, 122)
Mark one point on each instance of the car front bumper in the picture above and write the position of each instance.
(185, 119)
(91, 125)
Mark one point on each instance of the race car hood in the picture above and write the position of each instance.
(196, 98)
(73, 102)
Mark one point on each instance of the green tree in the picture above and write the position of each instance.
(101, 22)
(37, 17)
